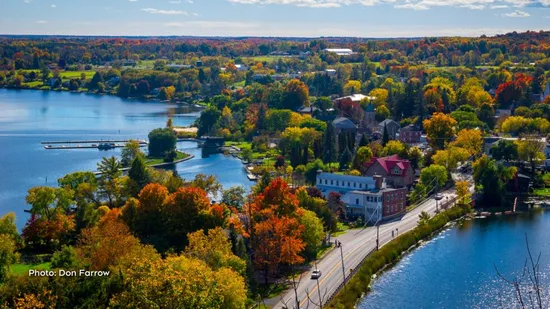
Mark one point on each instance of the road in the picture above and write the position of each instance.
(356, 244)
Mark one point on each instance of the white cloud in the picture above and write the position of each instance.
(195, 14)
(53, 6)
(41, 21)
(163, 12)
(133, 0)
(212, 25)
(402, 4)
(517, 14)
(174, 2)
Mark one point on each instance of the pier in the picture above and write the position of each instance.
(110, 146)
(93, 141)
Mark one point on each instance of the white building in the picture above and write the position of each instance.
(366, 197)
(339, 51)
(356, 98)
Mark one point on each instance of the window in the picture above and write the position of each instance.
(349, 185)
(357, 201)
(332, 182)
(387, 198)
(337, 182)
(354, 184)
(361, 186)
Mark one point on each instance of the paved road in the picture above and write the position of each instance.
(356, 244)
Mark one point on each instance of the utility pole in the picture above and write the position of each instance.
(377, 236)
(436, 189)
(343, 268)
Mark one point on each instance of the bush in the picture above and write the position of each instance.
(161, 141)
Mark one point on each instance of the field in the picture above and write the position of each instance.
(21, 269)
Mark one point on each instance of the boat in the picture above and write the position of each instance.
(105, 146)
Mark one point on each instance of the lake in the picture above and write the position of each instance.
(29, 117)
(456, 269)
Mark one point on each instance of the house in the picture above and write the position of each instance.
(339, 51)
(397, 172)
(330, 72)
(307, 110)
(369, 117)
(391, 125)
(241, 67)
(368, 197)
(355, 98)
(410, 134)
(343, 124)
(179, 66)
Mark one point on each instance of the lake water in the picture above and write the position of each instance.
(457, 268)
(29, 117)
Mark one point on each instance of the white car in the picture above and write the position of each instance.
(438, 196)
(316, 274)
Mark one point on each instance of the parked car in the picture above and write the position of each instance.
(438, 196)
(316, 274)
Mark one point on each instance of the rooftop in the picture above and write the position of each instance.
(388, 163)
(340, 177)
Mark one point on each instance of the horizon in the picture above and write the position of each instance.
(274, 18)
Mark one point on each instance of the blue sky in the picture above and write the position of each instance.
(361, 18)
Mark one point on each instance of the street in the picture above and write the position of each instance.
(356, 244)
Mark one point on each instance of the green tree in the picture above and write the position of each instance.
(161, 141)
(208, 183)
(139, 175)
(234, 196)
(385, 136)
(109, 168)
(345, 159)
(313, 233)
(505, 150)
(531, 149)
(208, 120)
(65, 258)
(130, 151)
(296, 94)
(8, 255)
(96, 81)
(364, 154)
(490, 179)
(434, 171)
(47, 202)
(330, 151)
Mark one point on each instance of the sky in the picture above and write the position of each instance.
(293, 18)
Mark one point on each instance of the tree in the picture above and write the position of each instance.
(490, 179)
(131, 150)
(394, 148)
(313, 233)
(505, 150)
(352, 86)
(109, 169)
(66, 258)
(385, 136)
(179, 282)
(440, 129)
(345, 159)
(161, 141)
(96, 81)
(8, 255)
(234, 196)
(214, 248)
(208, 120)
(330, 150)
(382, 113)
(531, 149)
(139, 175)
(296, 94)
(415, 157)
(449, 158)
(431, 173)
(208, 183)
(364, 154)
(463, 192)
(471, 140)
(47, 202)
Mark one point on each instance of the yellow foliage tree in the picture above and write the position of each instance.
(440, 129)
(471, 140)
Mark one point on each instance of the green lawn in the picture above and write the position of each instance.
(267, 59)
(76, 74)
(21, 269)
(153, 161)
(542, 192)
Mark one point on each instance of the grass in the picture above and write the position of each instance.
(272, 290)
(21, 269)
(324, 250)
(268, 59)
(76, 74)
(545, 192)
(153, 161)
(341, 229)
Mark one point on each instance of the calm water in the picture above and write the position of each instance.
(29, 117)
(457, 268)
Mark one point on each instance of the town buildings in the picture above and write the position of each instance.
(397, 172)
(366, 197)
(410, 134)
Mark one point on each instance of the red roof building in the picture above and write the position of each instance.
(396, 171)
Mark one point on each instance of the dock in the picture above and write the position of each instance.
(93, 141)
(88, 146)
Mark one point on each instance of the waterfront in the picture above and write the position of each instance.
(29, 117)
(456, 269)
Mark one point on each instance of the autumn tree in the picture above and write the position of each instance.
(440, 129)
(471, 140)
(463, 192)
(434, 175)
(129, 152)
(531, 149)
(363, 155)
(296, 94)
(449, 158)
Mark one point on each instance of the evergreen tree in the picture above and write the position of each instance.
(345, 159)
(385, 136)
(342, 142)
(364, 141)
(330, 152)
(261, 122)
(138, 174)
(305, 157)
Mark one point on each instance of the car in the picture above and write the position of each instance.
(438, 196)
(316, 274)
